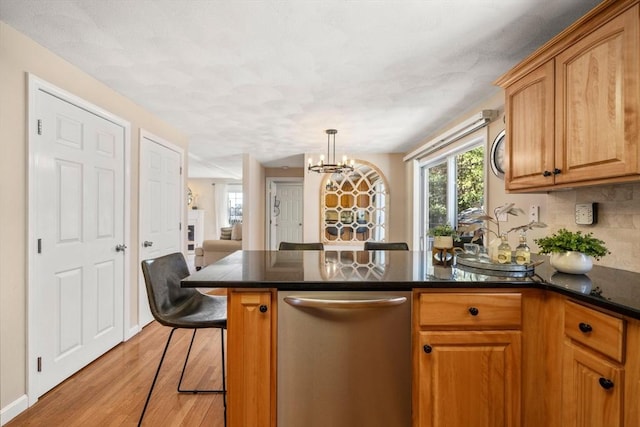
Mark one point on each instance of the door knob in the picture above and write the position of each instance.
(121, 248)
(147, 244)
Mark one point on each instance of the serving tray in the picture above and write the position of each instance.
(483, 263)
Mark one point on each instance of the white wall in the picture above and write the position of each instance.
(253, 200)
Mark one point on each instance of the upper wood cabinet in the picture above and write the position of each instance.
(530, 122)
(573, 107)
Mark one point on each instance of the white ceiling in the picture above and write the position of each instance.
(268, 77)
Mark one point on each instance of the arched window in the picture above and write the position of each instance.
(354, 206)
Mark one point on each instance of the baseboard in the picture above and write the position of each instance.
(13, 409)
(133, 331)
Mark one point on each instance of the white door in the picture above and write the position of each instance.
(287, 212)
(78, 272)
(161, 207)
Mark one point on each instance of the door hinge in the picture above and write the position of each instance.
(180, 226)
(39, 364)
(39, 246)
(39, 126)
(180, 170)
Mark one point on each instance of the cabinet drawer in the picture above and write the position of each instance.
(471, 309)
(594, 329)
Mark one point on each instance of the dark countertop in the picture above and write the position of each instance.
(615, 290)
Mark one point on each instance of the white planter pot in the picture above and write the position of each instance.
(571, 262)
(442, 242)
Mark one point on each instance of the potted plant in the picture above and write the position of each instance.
(571, 251)
(443, 236)
(476, 220)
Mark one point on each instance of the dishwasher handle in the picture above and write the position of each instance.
(344, 303)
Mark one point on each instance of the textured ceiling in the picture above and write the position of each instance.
(268, 77)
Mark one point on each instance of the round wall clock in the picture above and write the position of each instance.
(497, 155)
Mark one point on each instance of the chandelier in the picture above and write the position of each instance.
(331, 166)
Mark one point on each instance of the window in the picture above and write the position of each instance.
(234, 203)
(453, 185)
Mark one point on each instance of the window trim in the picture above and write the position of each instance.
(448, 155)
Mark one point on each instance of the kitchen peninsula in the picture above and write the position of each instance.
(533, 346)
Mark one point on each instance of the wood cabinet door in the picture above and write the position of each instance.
(468, 378)
(529, 105)
(592, 390)
(597, 99)
(250, 362)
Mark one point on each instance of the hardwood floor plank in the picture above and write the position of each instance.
(111, 391)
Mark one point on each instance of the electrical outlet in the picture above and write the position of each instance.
(502, 217)
(586, 213)
(534, 212)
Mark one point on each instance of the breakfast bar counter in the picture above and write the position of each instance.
(608, 288)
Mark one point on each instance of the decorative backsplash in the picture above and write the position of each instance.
(618, 220)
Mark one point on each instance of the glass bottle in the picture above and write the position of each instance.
(504, 250)
(523, 253)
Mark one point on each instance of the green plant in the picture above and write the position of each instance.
(444, 230)
(478, 218)
(564, 240)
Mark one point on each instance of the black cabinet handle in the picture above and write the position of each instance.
(263, 309)
(585, 327)
(473, 311)
(546, 173)
(427, 348)
(557, 171)
(605, 383)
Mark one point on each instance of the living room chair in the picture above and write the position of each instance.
(182, 308)
(291, 246)
(386, 246)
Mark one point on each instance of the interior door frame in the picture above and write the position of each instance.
(34, 85)
(269, 187)
(145, 134)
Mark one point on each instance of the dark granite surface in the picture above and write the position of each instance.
(612, 289)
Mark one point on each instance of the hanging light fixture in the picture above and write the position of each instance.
(331, 166)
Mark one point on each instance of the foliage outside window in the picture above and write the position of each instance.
(454, 186)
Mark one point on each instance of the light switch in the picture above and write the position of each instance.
(586, 213)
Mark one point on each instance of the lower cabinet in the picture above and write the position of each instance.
(592, 389)
(469, 379)
(251, 359)
(593, 372)
(467, 353)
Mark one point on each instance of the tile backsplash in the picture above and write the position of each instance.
(618, 220)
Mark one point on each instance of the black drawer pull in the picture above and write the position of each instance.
(263, 309)
(546, 173)
(605, 383)
(473, 311)
(557, 171)
(427, 348)
(585, 327)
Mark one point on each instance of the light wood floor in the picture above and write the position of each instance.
(111, 391)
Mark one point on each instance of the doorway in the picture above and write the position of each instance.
(78, 234)
(285, 213)
(161, 207)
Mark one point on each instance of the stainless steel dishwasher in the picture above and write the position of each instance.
(344, 359)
